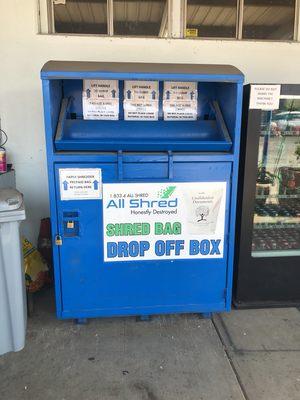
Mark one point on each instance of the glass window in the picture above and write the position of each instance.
(277, 205)
(211, 18)
(140, 18)
(269, 19)
(80, 16)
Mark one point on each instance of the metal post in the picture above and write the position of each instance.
(297, 21)
(164, 26)
(177, 18)
(239, 19)
(46, 16)
(110, 17)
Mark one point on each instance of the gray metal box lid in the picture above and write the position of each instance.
(11, 205)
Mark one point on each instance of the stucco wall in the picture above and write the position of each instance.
(23, 52)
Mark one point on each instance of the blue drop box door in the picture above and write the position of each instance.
(92, 287)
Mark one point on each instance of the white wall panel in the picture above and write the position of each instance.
(23, 52)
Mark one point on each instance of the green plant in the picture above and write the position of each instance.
(264, 176)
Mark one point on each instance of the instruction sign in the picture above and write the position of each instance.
(141, 100)
(80, 183)
(100, 99)
(177, 220)
(180, 101)
(265, 97)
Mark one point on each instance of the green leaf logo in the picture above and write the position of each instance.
(167, 192)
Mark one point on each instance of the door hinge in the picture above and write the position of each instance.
(58, 240)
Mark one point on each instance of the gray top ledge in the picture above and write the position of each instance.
(57, 69)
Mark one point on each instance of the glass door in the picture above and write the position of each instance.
(276, 225)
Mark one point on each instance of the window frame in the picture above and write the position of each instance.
(239, 26)
(175, 23)
(47, 22)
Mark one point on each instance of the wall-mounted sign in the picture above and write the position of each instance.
(191, 32)
(100, 99)
(141, 100)
(80, 183)
(175, 220)
(265, 97)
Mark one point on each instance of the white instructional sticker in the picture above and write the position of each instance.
(180, 101)
(140, 111)
(100, 99)
(181, 91)
(80, 183)
(141, 100)
(265, 97)
(180, 110)
(155, 221)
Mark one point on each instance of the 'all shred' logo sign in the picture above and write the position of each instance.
(155, 221)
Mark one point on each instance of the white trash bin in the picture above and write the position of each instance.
(13, 310)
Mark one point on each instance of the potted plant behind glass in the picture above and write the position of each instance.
(263, 184)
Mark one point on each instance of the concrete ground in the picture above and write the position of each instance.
(249, 354)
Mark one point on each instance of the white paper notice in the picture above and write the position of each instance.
(265, 97)
(141, 100)
(80, 183)
(100, 99)
(163, 220)
(180, 101)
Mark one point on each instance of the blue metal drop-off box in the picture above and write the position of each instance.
(143, 211)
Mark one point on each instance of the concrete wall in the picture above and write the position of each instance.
(23, 52)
